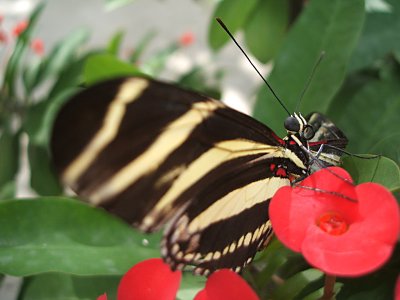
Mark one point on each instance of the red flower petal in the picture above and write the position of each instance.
(19, 28)
(371, 223)
(151, 279)
(37, 46)
(226, 284)
(102, 297)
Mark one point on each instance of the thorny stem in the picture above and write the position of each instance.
(328, 287)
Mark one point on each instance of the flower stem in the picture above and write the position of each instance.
(328, 288)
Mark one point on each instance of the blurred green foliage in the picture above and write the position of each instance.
(64, 248)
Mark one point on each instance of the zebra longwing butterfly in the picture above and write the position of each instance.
(155, 155)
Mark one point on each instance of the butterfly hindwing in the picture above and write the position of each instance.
(227, 222)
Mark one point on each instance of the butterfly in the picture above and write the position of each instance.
(157, 156)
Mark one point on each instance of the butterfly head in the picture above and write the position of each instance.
(297, 125)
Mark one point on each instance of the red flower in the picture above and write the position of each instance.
(153, 279)
(186, 39)
(341, 229)
(226, 284)
(37, 46)
(19, 28)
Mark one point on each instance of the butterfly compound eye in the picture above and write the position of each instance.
(292, 124)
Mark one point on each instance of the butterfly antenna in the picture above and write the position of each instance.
(321, 56)
(248, 58)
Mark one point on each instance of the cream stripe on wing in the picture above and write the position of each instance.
(129, 91)
(172, 137)
(220, 153)
(236, 201)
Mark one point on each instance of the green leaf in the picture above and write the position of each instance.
(69, 77)
(353, 84)
(379, 37)
(375, 129)
(63, 286)
(190, 286)
(57, 234)
(43, 177)
(330, 26)
(234, 14)
(30, 74)
(40, 117)
(266, 28)
(317, 295)
(296, 283)
(269, 262)
(100, 67)
(55, 286)
(9, 158)
(381, 170)
(114, 44)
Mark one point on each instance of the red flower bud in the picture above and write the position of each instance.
(37, 46)
(186, 39)
(3, 37)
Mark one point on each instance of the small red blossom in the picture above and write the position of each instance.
(339, 228)
(186, 39)
(19, 28)
(150, 279)
(226, 284)
(153, 279)
(3, 37)
(37, 46)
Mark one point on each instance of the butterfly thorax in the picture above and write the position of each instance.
(299, 133)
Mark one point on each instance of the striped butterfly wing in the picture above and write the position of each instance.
(153, 153)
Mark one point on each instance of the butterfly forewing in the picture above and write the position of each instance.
(140, 147)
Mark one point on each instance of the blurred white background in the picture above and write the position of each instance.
(168, 18)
